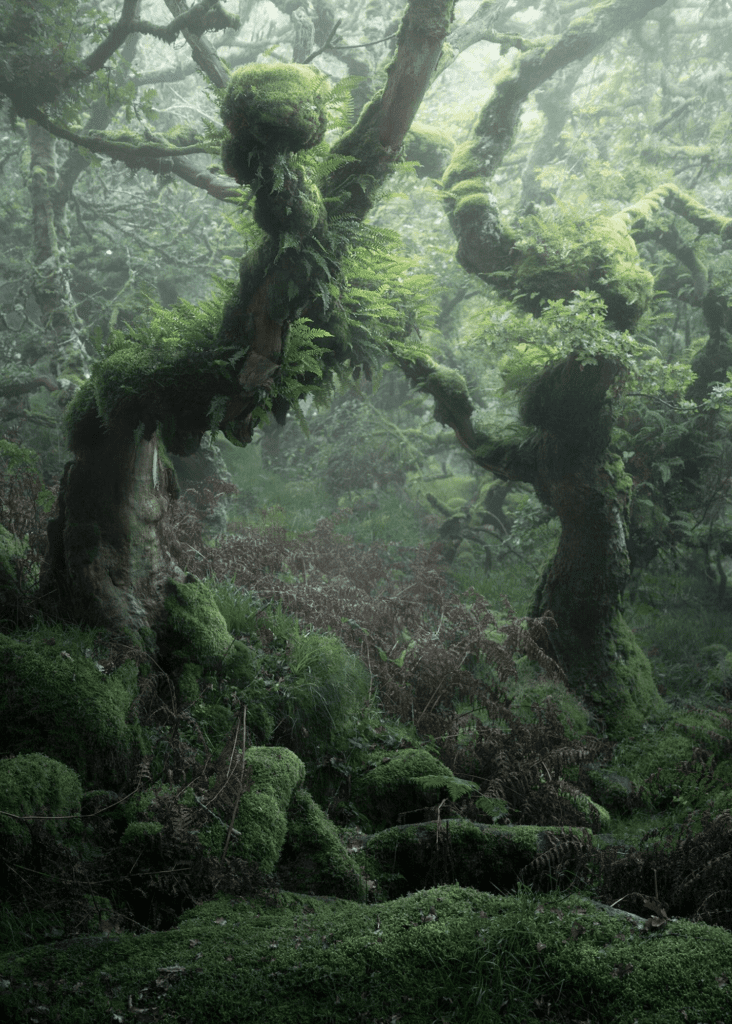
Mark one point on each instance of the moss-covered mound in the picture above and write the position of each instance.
(446, 954)
(488, 857)
(33, 784)
(56, 699)
(314, 858)
(400, 786)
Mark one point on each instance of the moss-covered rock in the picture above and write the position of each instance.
(54, 698)
(194, 628)
(446, 952)
(488, 857)
(529, 693)
(392, 788)
(34, 784)
(314, 858)
(258, 819)
(262, 813)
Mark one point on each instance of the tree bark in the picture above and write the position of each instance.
(110, 551)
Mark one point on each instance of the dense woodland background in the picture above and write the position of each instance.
(489, 454)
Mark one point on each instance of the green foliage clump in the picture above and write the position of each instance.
(34, 784)
(261, 816)
(429, 147)
(194, 627)
(558, 256)
(140, 834)
(395, 786)
(315, 688)
(166, 373)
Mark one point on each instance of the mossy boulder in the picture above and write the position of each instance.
(445, 953)
(56, 699)
(392, 789)
(258, 819)
(34, 784)
(194, 629)
(314, 859)
(262, 813)
(488, 857)
(532, 693)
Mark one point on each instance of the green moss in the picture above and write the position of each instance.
(558, 255)
(261, 817)
(573, 714)
(465, 164)
(393, 787)
(55, 699)
(630, 697)
(664, 759)
(270, 109)
(429, 147)
(165, 373)
(141, 834)
(314, 859)
(488, 857)
(445, 951)
(194, 627)
(34, 784)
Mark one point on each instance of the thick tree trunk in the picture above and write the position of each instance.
(584, 583)
(109, 551)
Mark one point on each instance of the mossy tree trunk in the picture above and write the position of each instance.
(569, 405)
(109, 550)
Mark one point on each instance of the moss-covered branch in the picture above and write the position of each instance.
(376, 139)
(453, 408)
(603, 258)
(205, 16)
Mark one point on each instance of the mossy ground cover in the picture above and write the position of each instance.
(446, 954)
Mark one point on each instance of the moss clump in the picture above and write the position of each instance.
(162, 374)
(528, 693)
(261, 817)
(668, 764)
(194, 629)
(270, 109)
(393, 788)
(314, 859)
(299, 959)
(429, 147)
(55, 698)
(34, 784)
(489, 857)
(465, 164)
(629, 696)
(141, 834)
(556, 256)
